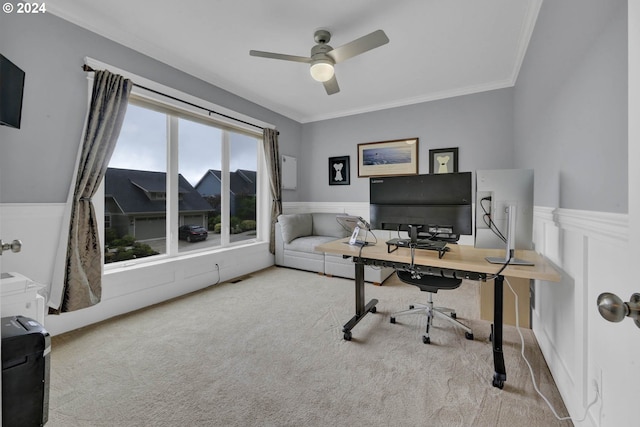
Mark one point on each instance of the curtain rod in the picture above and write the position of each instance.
(87, 68)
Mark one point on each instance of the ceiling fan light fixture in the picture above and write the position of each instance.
(323, 57)
(322, 70)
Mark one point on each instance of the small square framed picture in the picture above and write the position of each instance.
(443, 160)
(339, 170)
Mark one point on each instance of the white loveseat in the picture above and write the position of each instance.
(298, 234)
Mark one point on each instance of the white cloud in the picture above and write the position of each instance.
(142, 146)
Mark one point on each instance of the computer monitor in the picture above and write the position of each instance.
(433, 206)
(504, 210)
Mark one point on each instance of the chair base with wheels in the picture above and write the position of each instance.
(431, 285)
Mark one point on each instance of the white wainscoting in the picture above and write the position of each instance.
(351, 208)
(37, 225)
(124, 289)
(589, 249)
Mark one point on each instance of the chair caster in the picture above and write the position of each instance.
(347, 335)
(373, 309)
(392, 320)
(454, 316)
(497, 382)
(411, 307)
(468, 336)
(426, 339)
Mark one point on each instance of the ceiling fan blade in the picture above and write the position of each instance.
(331, 85)
(358, 46)
(280, 56)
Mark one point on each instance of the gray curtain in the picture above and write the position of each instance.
(83, 271)
(272, 155)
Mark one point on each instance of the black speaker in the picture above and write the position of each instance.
(25, 372)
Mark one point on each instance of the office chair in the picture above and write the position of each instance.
(431, 285)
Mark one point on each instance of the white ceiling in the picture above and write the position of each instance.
(437, 48)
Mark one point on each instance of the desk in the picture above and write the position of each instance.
(461, 261)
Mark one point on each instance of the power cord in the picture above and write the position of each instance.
(505, 265)
(374, 267)
(218, 270)
(367, 231)
(486, 218)
(533, 380)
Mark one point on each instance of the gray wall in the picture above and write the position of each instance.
(36, 161)
(480, 125)
(566, 118)
(571, 106)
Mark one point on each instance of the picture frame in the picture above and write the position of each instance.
(339, 170)
(443, 160)
(388, 158)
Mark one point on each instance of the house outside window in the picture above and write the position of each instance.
(173, 174)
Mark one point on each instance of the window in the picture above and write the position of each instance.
(136, 174)
(178, 182)
(243, 158)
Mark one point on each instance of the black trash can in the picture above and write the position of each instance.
(25, 372)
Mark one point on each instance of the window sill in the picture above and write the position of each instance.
(164, 259)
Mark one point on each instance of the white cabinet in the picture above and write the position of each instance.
(20, 297)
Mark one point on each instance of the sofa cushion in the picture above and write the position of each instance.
(325, 224)
(307, 243)
(294, 226)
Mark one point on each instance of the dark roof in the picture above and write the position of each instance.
(242, 181)
(127, 187)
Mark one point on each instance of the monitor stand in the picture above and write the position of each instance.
(413, 242)
(355, 224)
(353, 241)
(510, 249)
(513, 261)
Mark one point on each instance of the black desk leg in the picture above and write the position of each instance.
(361, 308)
(500, 374)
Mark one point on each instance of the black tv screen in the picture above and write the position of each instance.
(438, 204)
(11, 91)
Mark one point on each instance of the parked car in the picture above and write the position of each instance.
(192, 233)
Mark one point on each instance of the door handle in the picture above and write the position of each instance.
(14, 246)
(613, 309)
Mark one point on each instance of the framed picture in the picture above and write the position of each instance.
(339, 170)
(386, 158)
(443, 160)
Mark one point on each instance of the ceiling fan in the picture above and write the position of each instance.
(324, 57)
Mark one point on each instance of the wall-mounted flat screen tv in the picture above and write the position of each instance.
(11, 91)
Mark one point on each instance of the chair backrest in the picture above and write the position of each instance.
(429, 283)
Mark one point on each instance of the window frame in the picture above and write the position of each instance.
(176, 109)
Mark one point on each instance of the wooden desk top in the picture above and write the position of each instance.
(459, 257)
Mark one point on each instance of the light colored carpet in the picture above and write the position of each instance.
(268, 351)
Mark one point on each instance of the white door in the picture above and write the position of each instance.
(619, 348)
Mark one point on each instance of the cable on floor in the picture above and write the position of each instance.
(533, 380)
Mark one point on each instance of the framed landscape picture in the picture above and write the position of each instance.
(443, 160)
(388, 158)
(339, 170)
